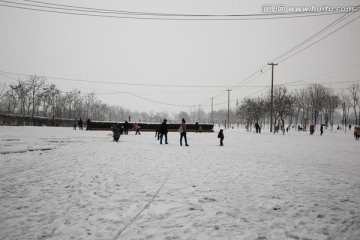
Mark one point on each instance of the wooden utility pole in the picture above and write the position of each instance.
(272, 95)
(228, 117)
(212, 110)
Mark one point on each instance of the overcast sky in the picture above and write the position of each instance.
(176, 62)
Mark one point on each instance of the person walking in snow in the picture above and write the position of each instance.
(321, 129)
(137, 129)
(182, 131)
(357, 133)
(163, 131)
(221, 136)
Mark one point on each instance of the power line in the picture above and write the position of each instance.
(332, 24)
(318, 40)
(124, 83)
(337, 21)
(72, 7)
(80, 11)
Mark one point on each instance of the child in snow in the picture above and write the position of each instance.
(221, 136)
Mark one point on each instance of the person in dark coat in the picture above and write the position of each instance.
(321, 129)
(80, 124)
(163, 131)
(88, 124)
(221, 136)
(197, 127)
(126, 127)
(257, 126)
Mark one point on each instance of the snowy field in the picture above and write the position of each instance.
(57, 183)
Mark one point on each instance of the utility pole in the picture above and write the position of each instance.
(272, 94)
(212, 110)
(228, 117)
(199, 114)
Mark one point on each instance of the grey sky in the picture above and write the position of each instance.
(176, 53)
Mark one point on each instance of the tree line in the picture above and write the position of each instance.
(315, 104)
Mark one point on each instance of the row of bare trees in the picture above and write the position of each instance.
(33, 97)
(315, 104)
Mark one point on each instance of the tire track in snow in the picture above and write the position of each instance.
(117, 236)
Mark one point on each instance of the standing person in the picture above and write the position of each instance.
(126, 127)
(357, 133)
(256, 127)
(88, 124)
(221, 136)
(163, 131)
(80, 123)
(137, 129)
(197, 127)
(182, 130)
(321, 129)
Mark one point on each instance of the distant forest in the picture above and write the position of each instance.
(314, 104)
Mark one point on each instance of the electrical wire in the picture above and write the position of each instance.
(265, 68)
(72, 7)
(158, 16)
(318, 40)
(124, 83)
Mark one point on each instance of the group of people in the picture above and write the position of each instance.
(125, 128)
(162, 133)
(80, 124)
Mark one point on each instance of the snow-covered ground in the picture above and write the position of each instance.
(57, 183)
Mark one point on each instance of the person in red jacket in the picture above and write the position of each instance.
(221, 136)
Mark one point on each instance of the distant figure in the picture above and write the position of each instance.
(88, 124)
(257, 126)
(80, 124)
(182, 131)
(357, 133)
(349, 126)
(221, 136)
(75, 125)
(163, 131)
(197, 127)
(312, 129)
(321, 129)
(126, 127)
(137, 129)
(157, 132)
(118, 130)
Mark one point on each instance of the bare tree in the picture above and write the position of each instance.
(353, 98)
(11, 101)
(88, 104)
(332, 102)
(34, 84)
(2, 97)
(317, 96)
(21, 90)
(283, 102)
